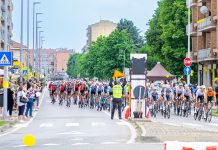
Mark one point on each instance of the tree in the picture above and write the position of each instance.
(134, 32)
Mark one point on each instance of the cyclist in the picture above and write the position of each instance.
(154, 96)
(216, 90)
(52, 91)
(200, 97)
(69, 90)
(62, 90)
(210, 95)
(179, 97)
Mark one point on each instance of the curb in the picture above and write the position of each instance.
(7, 126)
(141, 133)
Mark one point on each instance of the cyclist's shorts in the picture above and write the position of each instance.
(110, 93)
(168, 97)
(62, 92)
(52, 93)
(201, 99)
(154, 98)
(68, 92)
(179, 95)
(216, 100)
(210, 98)
(187, 98)
(82, 93)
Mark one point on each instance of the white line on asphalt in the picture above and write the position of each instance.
(26, 124)
(213, 124)
(121, 123)
(71, 133)
(72, 124)
(171, 124)
(191, 124)
(104, 143)
(80, 144)
(94, 124)
(51, 144)
(46, 125)
(132, 130)
(19, 146)
(77, 139)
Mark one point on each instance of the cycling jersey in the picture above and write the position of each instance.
(154, 95)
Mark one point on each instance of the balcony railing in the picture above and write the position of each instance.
(204, 54)
(205, 23)
(192, 3)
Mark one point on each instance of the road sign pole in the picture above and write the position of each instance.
(189, 35)
(5, 105)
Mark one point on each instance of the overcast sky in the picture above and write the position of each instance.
(65, 21)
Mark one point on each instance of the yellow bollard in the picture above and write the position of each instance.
(29, 140)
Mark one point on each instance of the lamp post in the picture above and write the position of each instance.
(37, 27)
(5, 104)
(21, 33)
(34, 5)
(39, 52)
(28, 26)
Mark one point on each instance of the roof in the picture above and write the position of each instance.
(16, 45)
(159, 73)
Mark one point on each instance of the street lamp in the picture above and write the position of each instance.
(37, 27)
(189, 36)
(21, 33)
(34, 4)
(39, 51)
(5, 104)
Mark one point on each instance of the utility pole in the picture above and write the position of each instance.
(28, 26)
(189, 36)
(5, 68)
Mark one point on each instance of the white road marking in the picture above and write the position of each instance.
(51, 144)
(77, 139)
(98, 124)
(20, 126)
(72, 124)
(191, 124)
(19, 146)
(171, 124)
(80, 144)
(71, 133)
(104, 143)
(132, 130)
(122, 123)
(46, 125)
(143, 130)
(26, 124)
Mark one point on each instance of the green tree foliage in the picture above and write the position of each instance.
(104, 56)
(166, 35)
(134, 32)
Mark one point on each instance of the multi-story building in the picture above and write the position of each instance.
(10, 24)
(104, 28)
(203, 31)
(52, 61)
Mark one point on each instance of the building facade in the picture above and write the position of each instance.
(52, 61)
(203, 31)
(15, 48)
(10, 24)
(104, 28)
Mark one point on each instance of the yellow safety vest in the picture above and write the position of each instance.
(127, 88)
(117, 91)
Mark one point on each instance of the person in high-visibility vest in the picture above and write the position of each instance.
(117, 99)
(127, 91)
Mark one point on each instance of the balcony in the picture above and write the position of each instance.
(205, 55)
(192, 32)
(191, 4)
(206, 24)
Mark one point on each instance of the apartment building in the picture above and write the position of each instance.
(10, 24)
(104, 28)
(52, 61)
(203, 31)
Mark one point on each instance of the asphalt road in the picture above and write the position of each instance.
(58, 127)
(188, 122)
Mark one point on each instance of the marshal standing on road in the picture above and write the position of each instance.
(117, 98)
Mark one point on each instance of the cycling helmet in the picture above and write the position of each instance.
(190, 85)
(203, 87)
(180, 84)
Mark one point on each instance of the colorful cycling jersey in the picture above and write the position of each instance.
(200, 93)
(168, 91)
(180, 90)
(154, 95)
(187, 93)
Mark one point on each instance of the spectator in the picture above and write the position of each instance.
(10, 101)
(30, 95)
(216, 90)
(21, 101)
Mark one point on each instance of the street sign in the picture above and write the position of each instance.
(187, 70)
(187, 62)
(24, 73)
(6, 59)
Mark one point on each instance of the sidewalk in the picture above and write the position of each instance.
(162, 132)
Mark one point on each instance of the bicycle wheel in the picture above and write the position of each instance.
(209, 117)
(200, 115)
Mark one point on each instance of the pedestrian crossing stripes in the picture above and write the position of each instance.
(46, 125)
